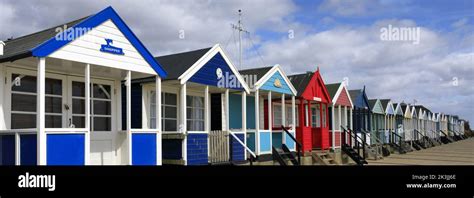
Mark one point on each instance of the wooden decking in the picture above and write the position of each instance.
(457, 153)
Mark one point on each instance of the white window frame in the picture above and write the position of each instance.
(195, 119)
(276, 107)
(8, 94)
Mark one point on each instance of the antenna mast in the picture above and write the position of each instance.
(240, 28)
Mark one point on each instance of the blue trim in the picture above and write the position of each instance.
(144, 149)
(7, 149)
(206, 75)
(270, 84)
(251, 141)
(265, 142)
(197, 149)
(277, 139)
(65, 149)
(53, 44)
(28, 149)
(237, 150)
(290, 143)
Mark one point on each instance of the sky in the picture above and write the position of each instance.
(342, 38)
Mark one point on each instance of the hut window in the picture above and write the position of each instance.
(316, 114)
(23, 102)
(289, 116)
(169, 111)
(324, 115)
(277, 115)
(195, 113)
(102, 108)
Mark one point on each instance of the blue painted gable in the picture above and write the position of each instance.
(270, 84)
(93, 21)
(362, 101)
(207, 74)
(390, 109)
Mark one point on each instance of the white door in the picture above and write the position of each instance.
(103, 134)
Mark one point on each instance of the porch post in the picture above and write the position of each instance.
(333, 125)
(128, 85)
(183, 127)
(227, 110)
(293, 114)
(207, 124)
(269, 99)
(270, 116)
(158, 121)
(2, 102)
(340, 123)
(257, 123)
(308, 115)
(351, 121)
(87, 112)
(40, 109)
(283, 121)
(345, 124)
(244, 119)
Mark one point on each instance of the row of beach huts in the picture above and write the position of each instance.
(190, 108)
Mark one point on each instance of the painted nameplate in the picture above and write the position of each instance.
(108, 48)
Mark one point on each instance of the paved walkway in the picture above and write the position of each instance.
(457, 153)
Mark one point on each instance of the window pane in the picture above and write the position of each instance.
(152, 123)
(79, 121)
(102, 124)
(53, 121)
(170, 112)
(102, 108)
(189, 113)
(26, 83)
(78, 89)
(153, 110)
(23, 121)
(169, 98)
(101, 91)
(78, 106)
(21, 102)
(53, 86)
(169, 125)
(53, 105)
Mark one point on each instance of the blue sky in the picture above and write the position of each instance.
(341, 37)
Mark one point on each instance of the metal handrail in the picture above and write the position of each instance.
(252, 154)
(299, 146)
(358, 141)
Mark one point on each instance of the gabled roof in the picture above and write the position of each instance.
(176, 64)
(258, 72)
(406, 110)
(182, 66)
(355, 93)
(269, 73)
(335, 90)
(384, 103)
(376, 106)
(413, 112)
(301, 81)
(387, 106)
(359, 93)
(44, 43)
(22, 47)
(332, 89)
